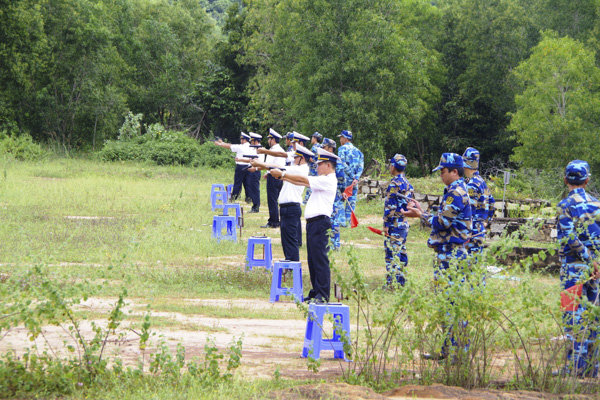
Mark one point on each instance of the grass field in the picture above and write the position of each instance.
(148, 229)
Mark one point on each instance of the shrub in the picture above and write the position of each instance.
(214, 156)
(161, 147)
(21, 147)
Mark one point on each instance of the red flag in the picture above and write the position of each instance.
(348, 191)
(569, 297)
(375, 230)
(353, 220)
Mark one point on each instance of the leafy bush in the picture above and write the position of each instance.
(214, 156)
(161, 147)
(21, 147)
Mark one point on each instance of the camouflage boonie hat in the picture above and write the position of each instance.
(329, 142)
(346, 134)
(449, 160)
(399, 162)
(471, 158)
(577, 171)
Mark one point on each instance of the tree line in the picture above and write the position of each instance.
(518, 80)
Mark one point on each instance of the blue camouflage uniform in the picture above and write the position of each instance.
(450, 230)
(312, 165)
(338, 203)
(352, 160)
(482, 202)
(578, 233)
(338, 207)
(396, 258)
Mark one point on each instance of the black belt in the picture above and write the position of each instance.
(317, 218)
(284, 205)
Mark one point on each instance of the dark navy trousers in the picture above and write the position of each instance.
(317, 239)
(290, 227)
(239, 178)
(273, 189)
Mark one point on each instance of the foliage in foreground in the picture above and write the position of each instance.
(508, 329)
(39, 300)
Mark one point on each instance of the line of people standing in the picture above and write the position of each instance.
(324, 174)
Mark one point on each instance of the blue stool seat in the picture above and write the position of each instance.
(218, 198)
(267, 260)
(217, 186)
(313, 339)
(229, 222)
(296, 289)
(227, 208)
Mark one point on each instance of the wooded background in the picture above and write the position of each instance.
(517, 80)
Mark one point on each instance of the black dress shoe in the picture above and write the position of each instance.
(253, 210)
(268, 225)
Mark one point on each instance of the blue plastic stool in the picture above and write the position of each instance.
(238, 212)
(295, 290)
(267, 260)
(229, 190)
(217, 186)
(229, 223)
(313, 339)
(215, 197)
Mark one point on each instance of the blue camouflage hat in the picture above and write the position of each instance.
(346, 134)
(577, 171)
(329, 142)
(471, 158)
(399, 162)
(450, 160)
(317, 135)
(289, 136)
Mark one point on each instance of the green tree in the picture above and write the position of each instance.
(341, 64)
(23, 59)
(557, 112)
(219, 100)
(482, 41)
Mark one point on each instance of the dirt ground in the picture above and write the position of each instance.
(268, 346)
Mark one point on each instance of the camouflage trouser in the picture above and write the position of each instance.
(446, 271)
(579, 325)
(395, 255)
(336, 216)
(475, 245)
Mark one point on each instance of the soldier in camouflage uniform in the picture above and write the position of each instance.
(578, 231)
(312, 171)
(353, 162)
(338, 204)
(450, 229)
(394, 223)
(482, 201)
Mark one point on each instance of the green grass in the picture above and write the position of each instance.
(151, 235)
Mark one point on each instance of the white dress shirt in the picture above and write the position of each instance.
(322, 197)
(291, 193)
